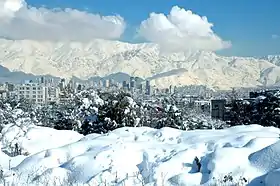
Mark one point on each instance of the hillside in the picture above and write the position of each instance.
(103, 57)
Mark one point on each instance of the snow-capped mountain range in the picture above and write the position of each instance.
(104, 57)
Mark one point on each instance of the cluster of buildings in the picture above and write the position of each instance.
(132, 85)
(41, 91)
(47, 90)
(136, 85)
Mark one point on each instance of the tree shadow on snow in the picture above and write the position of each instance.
(202, 169)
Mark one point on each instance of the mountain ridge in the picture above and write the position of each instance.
(275, 59)
(145, 60)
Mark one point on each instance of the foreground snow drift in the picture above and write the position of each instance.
(32, 139)
(145, 156)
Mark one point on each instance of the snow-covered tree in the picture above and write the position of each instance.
(240, 112)
(13, 109)
(117, 110)
(269, 110)
(92, 111)
(264, 110)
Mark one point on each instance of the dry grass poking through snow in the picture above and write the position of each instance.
(227, 180)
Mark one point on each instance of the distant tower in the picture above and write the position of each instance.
(111, 82)
(132, 82)
(62, 84)
(100, 83)
(171, 89)
(107, 83)
(148, 87)
(124, 85)
(42, 80)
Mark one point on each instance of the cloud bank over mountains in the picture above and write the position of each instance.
(20, 21)
(179, 31)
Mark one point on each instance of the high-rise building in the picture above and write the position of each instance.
(111, 82)
(62, 84)
(148, 87)
(42, 80)
(124, 85)
(132, 83)
(107, 83)
(72, 84)
(100, 83)
(171, 89)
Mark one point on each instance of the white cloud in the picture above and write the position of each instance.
(181, 30)
(20, 21)
(275, 36)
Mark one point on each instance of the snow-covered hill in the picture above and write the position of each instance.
(103, 57)
(143, 156)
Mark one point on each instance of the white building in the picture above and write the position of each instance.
(171, 89)
(148, 88)
(34, 92)
(107, 83)
(3, 92)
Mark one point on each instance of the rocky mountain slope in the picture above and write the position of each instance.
(275, 59)
(103, 57)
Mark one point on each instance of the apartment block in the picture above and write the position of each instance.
(218, 109)
(34, 92)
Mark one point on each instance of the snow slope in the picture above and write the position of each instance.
(146, 156)
(104, 57)
(33, 139)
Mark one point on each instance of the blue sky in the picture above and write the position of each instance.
(248, 24)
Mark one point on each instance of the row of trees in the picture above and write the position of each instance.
(99, 112)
